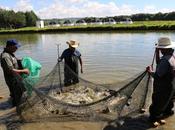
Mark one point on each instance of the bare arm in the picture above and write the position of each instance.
(81, 64)
(150, 70)
(19, 71)
(61, 57)
(157, 55)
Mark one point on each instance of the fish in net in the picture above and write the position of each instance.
(51, 100)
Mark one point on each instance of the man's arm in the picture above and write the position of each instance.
(61, 57)
(81, 64)
(157, 55)
(150, 71)
(19, 71)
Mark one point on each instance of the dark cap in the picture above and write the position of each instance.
(13, 42)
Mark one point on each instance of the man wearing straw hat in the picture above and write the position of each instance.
(71, 57)
(163, 90)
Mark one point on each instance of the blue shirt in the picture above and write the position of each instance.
(71, 58)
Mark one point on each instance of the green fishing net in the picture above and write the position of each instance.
(34, 68)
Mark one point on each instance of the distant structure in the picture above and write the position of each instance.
(80, 22)
(54, 24)
(40, 24)
(96, 21)
(109, 21)
(68, 23)
(126, 21)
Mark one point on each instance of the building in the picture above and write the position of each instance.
(40, 24)
(109, 21)
(80, 22)
(126, 21)
(68, 23)
(96, 21)
(54, 24)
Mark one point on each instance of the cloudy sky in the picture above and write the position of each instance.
(86, 8)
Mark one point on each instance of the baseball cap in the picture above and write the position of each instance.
(13, 42)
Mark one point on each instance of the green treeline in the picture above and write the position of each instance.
(12, 20)
(153, 17)
(137, 17)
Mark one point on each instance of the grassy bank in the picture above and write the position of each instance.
(136, 26)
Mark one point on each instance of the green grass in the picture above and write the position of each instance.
(136, 26)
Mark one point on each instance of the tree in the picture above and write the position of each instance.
(9, 17)
(19, 20)
(2, 20)
(158, 16)
(31, 18)
(169, 16)
(142, 17)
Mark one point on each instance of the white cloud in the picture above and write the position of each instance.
(81, 8)
(165, 10)
(75, 1)
(23, 5)
(4, 7)
(153, 9)
(84, 8)
(149, 8)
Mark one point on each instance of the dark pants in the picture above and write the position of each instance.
(16, 88)
(162, 101)
(70, 76)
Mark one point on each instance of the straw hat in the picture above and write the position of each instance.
(73, 43)
(165, 42)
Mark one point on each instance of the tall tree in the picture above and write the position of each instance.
(2, 20)
(31, 18)
(20, 20)
(169, 16)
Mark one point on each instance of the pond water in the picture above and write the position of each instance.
(107, 57)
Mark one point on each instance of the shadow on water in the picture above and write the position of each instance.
(129, 123)
(13, 122)
(8, 116)
(5, 105)
(10, 121)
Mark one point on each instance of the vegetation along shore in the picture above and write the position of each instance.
(27, 22)
(136, 26)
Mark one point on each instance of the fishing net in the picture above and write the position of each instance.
(52, 99)
(29, 80)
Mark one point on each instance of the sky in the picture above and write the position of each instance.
(48, 9)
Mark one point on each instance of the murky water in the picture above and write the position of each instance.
(107, 57)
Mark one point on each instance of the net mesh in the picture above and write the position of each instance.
(53, 99)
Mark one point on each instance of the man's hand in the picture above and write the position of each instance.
(26, 71)
(81, 70)
(149, 69)
(59, 59)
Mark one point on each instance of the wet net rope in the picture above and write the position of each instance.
(51, 100)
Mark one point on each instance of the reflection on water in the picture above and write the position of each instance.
(107, 57)
(23, 38)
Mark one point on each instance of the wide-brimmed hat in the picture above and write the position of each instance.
(165, 43)
(13, 42)
(73, 43)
